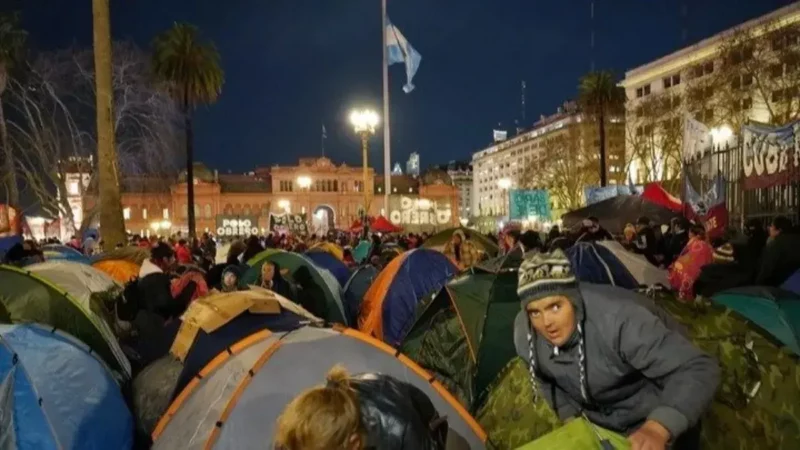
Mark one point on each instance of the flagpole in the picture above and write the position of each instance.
(387, 141)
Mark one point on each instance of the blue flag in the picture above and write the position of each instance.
(400, 51)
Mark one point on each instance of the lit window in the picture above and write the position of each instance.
(126, 213)
(144, 213)
(73, 188)
(165, 213)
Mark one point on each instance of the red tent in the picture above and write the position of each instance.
(382, 225)
(656, 194)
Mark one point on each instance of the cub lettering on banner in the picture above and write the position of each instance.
(771, 156)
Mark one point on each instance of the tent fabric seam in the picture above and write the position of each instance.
(472, 352)
(240, 346)
(605, 266)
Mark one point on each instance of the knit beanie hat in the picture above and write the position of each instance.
(545, 274)
(724, 253)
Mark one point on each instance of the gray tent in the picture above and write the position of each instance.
(238, 398)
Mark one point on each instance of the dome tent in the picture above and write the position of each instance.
(593, 263)
(54, 394)
(315, 278)
(121, 264)
(439, 240)
(645, 273)
(236, 404)
(355, 289)
(330, 263)
(64, 303)
(389, 305)
(58, 252)
(464, 335)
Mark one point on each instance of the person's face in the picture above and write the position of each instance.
(773, 232)
(267, 272)
(229, 280)
(456, 239)
(553, 318)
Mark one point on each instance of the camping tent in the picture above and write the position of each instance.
(593, 263)
(331, 248)
(304, 272)
(389, 305)
(484, 244)
(332, 264)
(755, 405)
(121, 264)
(645, 273)
(464, 336)
(212, 328)
(355, 289)
(54, 394)
(52, 294)
(237, 401)
(614, 213)
(57, 252)
(775, 311)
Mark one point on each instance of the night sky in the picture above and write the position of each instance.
(292, 65)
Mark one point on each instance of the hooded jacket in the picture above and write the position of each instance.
(625, 363)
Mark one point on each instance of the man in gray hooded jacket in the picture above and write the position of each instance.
(604, 353)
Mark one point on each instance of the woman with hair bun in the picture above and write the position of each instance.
(364, 412)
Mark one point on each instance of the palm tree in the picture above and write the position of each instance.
(600, 97)
(112, 224)
(191, 71)
(12, 43)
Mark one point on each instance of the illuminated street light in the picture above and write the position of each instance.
(284, 205)
(721, 134)
(364, 123)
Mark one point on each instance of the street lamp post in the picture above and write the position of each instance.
(364, 123)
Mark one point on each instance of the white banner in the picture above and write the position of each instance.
(500, 135)
(237, 227)
(696, 139)
(419, 211)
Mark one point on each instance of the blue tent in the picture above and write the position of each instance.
(327, 261)
(356, 287)
(58, 394)
(593, 263)
(57, 252)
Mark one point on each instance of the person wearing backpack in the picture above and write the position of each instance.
(363, 412)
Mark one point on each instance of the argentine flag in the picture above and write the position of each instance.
(400, 51)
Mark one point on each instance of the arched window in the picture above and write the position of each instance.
(228, 210)
(247, 210)
(208, 211)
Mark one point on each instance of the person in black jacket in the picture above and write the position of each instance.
(645, 243)
(781, 257)
(591, 231)
(370, 411)
(155, 281)
(676, 240)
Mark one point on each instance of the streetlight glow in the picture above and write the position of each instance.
(721, 134)
(504, 183)
(284, 204)
(364, 121)
(304, 182)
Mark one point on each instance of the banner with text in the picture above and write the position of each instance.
(420, 214)
(529, 204)
(594, 194)
(771, 156)
(237, 225)
(288, 224)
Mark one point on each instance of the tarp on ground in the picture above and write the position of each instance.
(55, 394)
(645, 273)
(615, 213)
(238, 400)
(439, 240)
(211, 328)
(593, 263)
(58, 252)
(330, 263)
(390, 304)
(30, 296)
(355, 289)
(464, 335)
(317, 284)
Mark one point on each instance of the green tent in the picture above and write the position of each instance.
(464, 334)
(756, 403)
(775, 311)
(65, 303)
(484, 244)
(579, 434)
(293, 262)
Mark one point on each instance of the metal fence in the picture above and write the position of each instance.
(743, 204)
